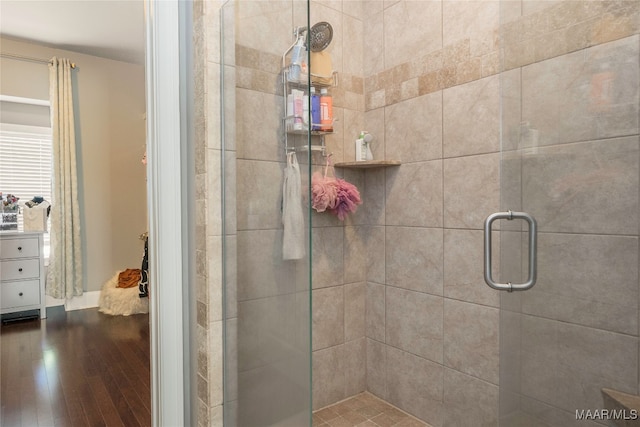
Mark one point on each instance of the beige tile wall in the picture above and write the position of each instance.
(208, 218)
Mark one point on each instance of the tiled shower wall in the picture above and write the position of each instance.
(432, 100)
(208, 223)
(400, 307)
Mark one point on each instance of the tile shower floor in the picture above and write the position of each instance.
(364, 410)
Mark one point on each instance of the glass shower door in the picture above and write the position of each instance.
(570, 158)
(267, 327)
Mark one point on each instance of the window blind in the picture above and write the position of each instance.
(26, 164)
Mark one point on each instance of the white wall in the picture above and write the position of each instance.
(110, 130)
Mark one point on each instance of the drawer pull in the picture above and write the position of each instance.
(20, 269)
(20, 294)
(19, 248)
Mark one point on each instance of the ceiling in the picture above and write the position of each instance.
(111, 29)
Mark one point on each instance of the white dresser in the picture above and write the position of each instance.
(22, 272)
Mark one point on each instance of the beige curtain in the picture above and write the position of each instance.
(64, 277)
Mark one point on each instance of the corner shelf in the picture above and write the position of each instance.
(368, 164)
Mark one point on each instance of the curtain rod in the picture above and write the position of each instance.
(30, 59)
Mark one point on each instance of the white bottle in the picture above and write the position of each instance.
(367, 142)
(289, 121)
(305, 112)
(361, 148)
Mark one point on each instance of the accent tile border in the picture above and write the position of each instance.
(557, 30)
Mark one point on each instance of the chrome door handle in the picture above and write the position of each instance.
(533, 251)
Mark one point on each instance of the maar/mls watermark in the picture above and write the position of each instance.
(606, 414)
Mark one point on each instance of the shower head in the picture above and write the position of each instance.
(320, 36)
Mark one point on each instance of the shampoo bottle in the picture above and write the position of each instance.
(315, 109)
(326, 111)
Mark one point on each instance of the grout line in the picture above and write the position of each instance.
(376, 399)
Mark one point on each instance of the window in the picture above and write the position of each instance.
(26, 164)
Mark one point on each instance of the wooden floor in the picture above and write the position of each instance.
(77, 368)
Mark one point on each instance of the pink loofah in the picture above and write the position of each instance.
(324, 192)
(333, 195)
(348, 199)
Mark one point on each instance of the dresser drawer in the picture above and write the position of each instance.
(20, 294)
(19, 248)
(20, 269)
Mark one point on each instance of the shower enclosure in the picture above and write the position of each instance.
(493, 106)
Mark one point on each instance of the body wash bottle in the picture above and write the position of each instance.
(326, 111)
(363, 147)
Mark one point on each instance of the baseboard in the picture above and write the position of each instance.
(86, 300)
(54, 302)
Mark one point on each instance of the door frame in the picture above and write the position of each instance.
(167, 25)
